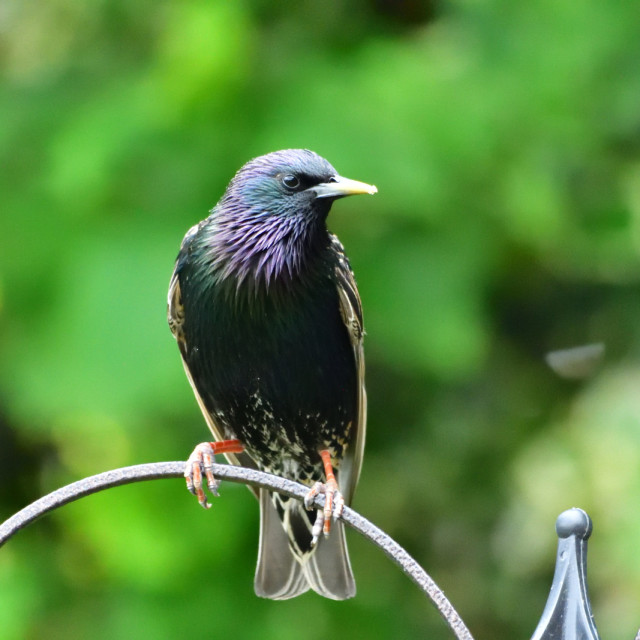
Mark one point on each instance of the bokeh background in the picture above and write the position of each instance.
(504, 138)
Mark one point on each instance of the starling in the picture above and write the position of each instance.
(267, 316)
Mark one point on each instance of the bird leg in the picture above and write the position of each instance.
(333, 499)
(201, 461)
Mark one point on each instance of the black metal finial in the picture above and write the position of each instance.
(567, 614)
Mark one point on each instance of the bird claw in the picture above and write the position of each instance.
(333, 507)
(199, 465)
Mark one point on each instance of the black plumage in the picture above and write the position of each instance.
(265, 310)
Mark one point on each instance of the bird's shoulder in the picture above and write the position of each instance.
(350, 303)
(175, 307)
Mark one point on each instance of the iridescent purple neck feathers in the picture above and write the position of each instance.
(256, 249)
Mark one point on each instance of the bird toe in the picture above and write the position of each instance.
(333, 506)
(200, 466)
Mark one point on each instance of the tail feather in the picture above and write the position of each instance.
(286, 565)
(279, 575)
(328, 570)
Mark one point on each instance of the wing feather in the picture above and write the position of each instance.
(351, 312)
(175, 317)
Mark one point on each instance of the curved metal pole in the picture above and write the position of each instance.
(139, 473)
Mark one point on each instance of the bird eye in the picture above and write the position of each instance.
(290, 181)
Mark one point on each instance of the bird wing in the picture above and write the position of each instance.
(351, 312)
(175, 317)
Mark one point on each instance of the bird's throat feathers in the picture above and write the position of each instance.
(256, 252)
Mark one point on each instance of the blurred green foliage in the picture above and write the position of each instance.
(504, 138)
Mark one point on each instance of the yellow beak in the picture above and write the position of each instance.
(338, 187)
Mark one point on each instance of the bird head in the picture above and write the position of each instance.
(271, 217)
(294, 183)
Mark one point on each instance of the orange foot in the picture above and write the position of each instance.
(333, 501)
(201, 462)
